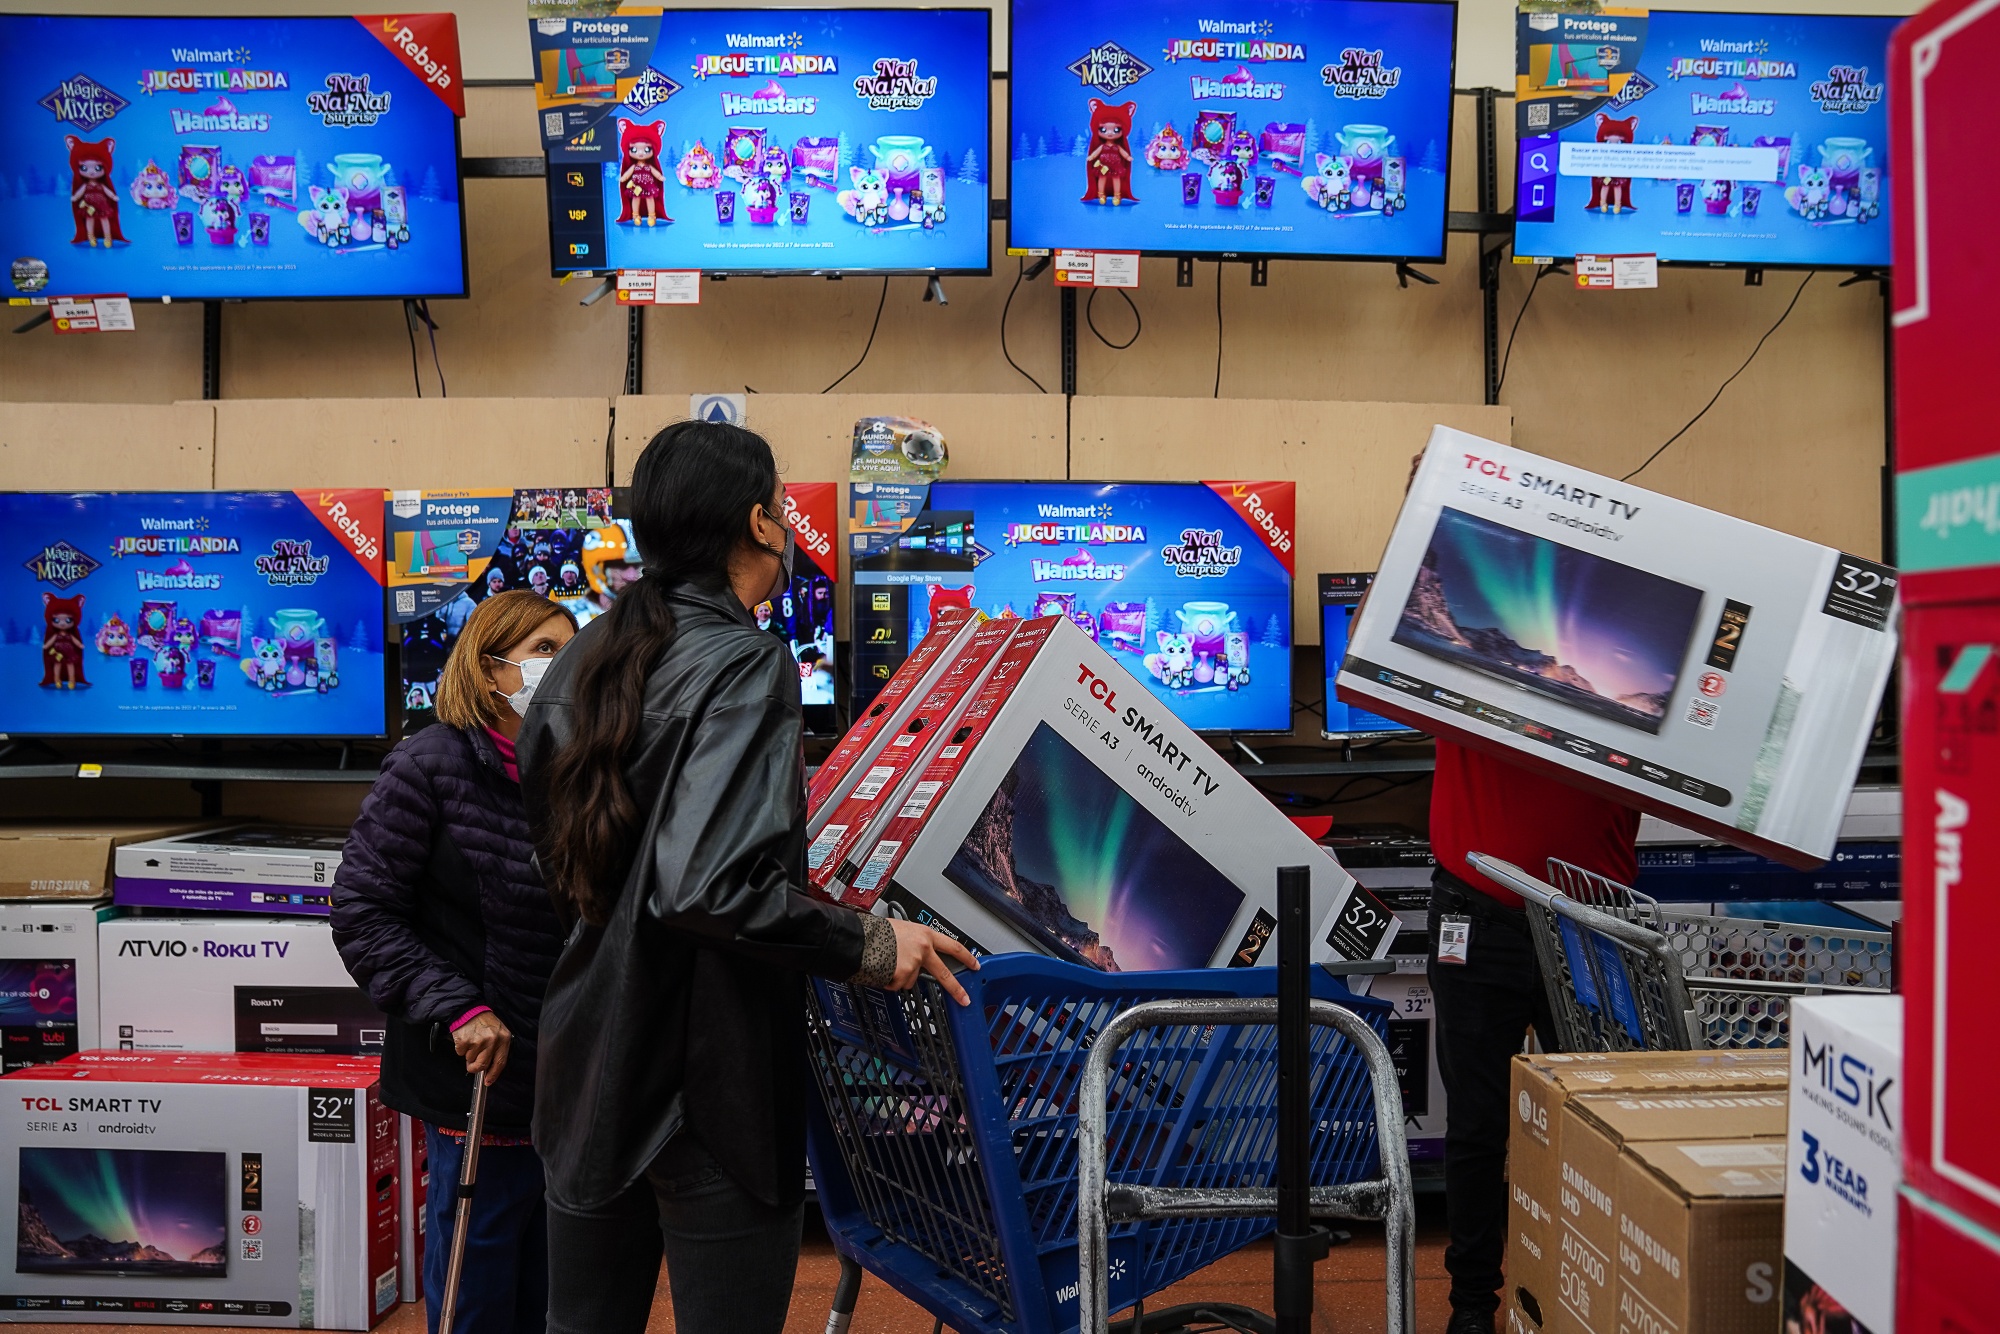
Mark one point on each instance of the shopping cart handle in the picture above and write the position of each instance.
(1512, 876)
(1358, 967)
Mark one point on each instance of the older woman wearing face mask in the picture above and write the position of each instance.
(439, 913)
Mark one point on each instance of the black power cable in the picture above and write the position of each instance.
(1725, 384)
(1020, 275)
(410, 328)
(1138, 325)
(1218, 330)
(436, 365)
(1507, 356)
(871, 339)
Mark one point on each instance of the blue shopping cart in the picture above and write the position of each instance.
(945, 1138)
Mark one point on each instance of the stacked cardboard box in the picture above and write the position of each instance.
(1637, 1182)
(1022, 791)
(1844, 1161)
(204, 1190)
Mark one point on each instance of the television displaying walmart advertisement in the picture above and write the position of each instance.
(1178, 578)
(199, 613)
(766, 140)
(231, 157)
(1707, 138)
(1271, 128)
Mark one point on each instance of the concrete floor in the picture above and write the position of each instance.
(1350, 1289)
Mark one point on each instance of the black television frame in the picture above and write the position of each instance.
(720, 274)
(1332, 597)
(1261, 256)
(1751, 266)
(457, 166)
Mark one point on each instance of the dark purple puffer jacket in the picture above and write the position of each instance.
(438, 909)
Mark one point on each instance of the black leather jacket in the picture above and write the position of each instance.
(687, 1005)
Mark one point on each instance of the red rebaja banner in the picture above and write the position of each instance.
(1271, 508)
(354, 517)
(812, 509)
(427, 44)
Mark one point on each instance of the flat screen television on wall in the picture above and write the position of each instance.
(1173, 577)
(1758, 140)
(767, 141)
(228, 158)
(192, 613)
(1274, 130)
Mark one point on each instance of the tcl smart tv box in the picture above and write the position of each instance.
(215, 982)
(48, 980)
(230, 1191)
(1063, 809)
(249, 868)
(1717, 674)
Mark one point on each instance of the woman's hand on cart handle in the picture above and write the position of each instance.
(483, 1041)
(921, 950)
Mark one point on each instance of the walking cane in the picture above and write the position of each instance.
(468, 1175)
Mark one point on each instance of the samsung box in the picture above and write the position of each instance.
(48, 981)
(1553, 1268)
(1844, 1160)
(1715, 673)
(228, 1191)
(248, 868)
(69, 861)
(214, 982)
(1058, 806)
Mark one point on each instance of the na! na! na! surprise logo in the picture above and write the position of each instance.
(83, 102)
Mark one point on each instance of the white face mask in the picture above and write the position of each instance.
(532, 671)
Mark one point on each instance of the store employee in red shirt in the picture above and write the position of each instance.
(1487, 986)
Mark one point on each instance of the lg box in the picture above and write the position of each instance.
(209, 982)
(1715, 673)
(1044, 800)
(164, 1191)
(48, 981)
(1844, 1160)
(250, 868)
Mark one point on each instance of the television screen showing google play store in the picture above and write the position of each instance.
(1708, 138)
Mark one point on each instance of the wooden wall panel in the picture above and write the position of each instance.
(406, 445)
(1350, 461)
(989, 435)
(130, 446)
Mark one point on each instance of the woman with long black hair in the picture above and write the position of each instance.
(664, 778)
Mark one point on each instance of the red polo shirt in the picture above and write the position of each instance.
(1481, 804)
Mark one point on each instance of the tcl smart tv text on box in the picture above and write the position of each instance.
(48, 981)
(1188, 583)
(1715, 673)
(1756, 139)
(157, 1191)
(1263, 129)
(215, 982)
(765, 140)
(250, 868)
(232, 158)
(195, 613)
(1070, 813)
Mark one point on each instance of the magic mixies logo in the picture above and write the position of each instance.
(1252, 42)
(1361, 73)
(61, 564)
(650, 89)
(83, 102)
(1109, 68)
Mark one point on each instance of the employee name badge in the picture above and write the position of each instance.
(1454, 944)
